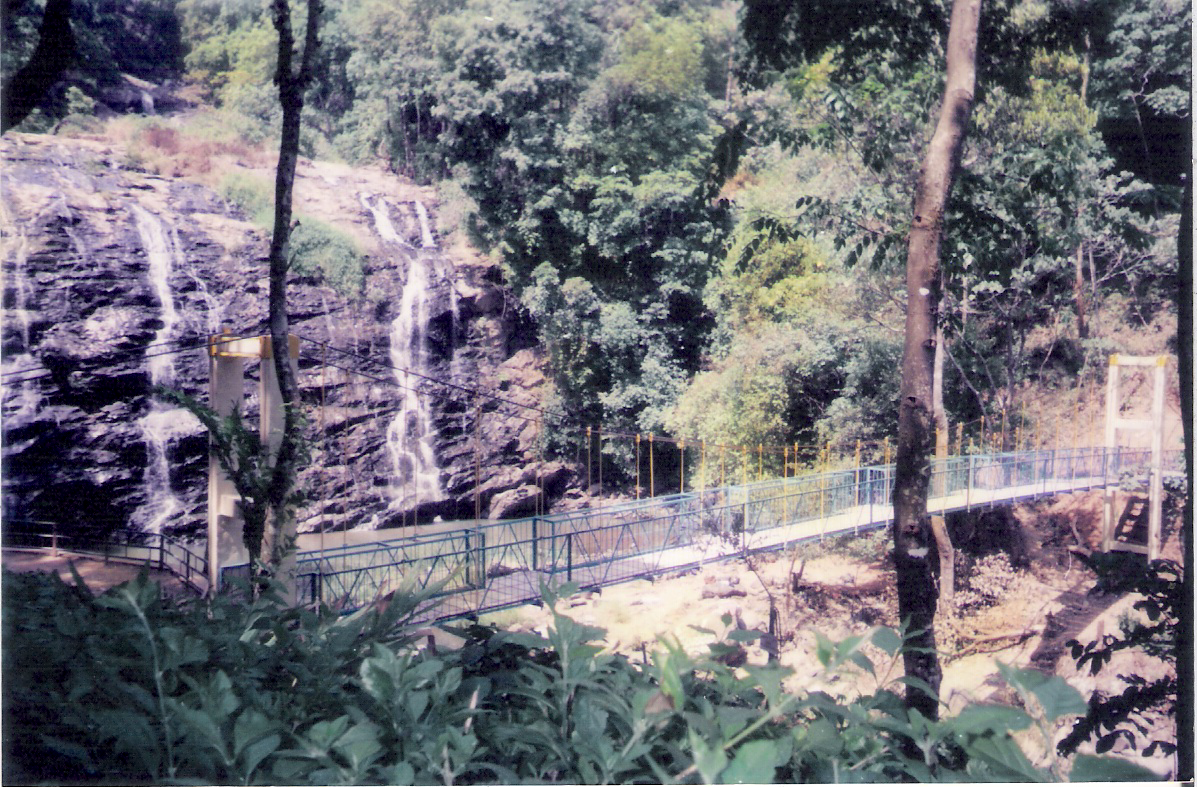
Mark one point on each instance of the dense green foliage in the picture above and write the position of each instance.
(703, 204)
(141, 38)
(132, 687)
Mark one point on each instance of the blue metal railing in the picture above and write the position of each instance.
(489, 566)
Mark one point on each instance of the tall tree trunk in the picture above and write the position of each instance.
(55, 53)
(913, 547)
(291, 87)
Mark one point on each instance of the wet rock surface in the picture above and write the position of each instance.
(87, 331)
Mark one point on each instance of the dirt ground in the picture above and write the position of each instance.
(1021, 594)
(96, 574)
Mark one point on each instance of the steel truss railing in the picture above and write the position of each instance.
(490, 566)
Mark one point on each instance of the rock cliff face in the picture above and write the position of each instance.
(416, 389)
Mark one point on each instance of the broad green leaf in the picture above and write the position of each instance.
(1088, 768)
(820, 738)
(1004, 760)
(979, 719)
(862, 661)
(709, 760)
(743, 635)
(887, 639)
(525, 639)
(823, 649)
(769, 679)
(1055, 696)
(251, 725)
(401, 773)
(359, 745)
(323, 734)
(918, 683)
(254, 753)
(202, 723)
(755, 762)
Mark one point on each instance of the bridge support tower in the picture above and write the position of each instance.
(1116, 424)
(226, 391)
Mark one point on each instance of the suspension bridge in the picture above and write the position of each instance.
(733, 507)
(486, 566)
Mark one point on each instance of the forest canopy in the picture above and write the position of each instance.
(703, 203)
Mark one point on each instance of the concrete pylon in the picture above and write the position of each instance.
(226, 384)
(1154, 426)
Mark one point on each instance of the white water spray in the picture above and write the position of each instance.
(426, 239)
(162, 424)
(382, 221)
(409, 436)
(21, 399)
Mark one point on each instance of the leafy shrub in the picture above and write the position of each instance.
(132, 687)
(986, 583)
(250, 193)
(317, 247)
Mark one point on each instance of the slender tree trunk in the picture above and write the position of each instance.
(913, 547)
(55, 53)
(291, 87)
(939, 527)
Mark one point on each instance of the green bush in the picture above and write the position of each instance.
(250, 193)
(131, 687)
(318, 248)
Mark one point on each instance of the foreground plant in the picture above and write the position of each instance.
(132, 687)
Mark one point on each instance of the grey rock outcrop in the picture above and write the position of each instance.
(83, 322)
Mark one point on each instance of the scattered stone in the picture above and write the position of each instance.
(722, 589)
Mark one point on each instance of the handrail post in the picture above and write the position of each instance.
(466, 558)
(535, 546)
(871, 494)
(971, 479)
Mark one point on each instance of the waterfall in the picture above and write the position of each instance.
(22, 399)
(21, 287)
(426, 239)
(382, 221)
(162, 424)
(211, 305)
(416, 475)
(162, 249)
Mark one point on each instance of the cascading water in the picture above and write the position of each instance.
(416, 474)
(162, 424)
(382, 221)
(212, 307)
(426, 239)
(21, 399)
